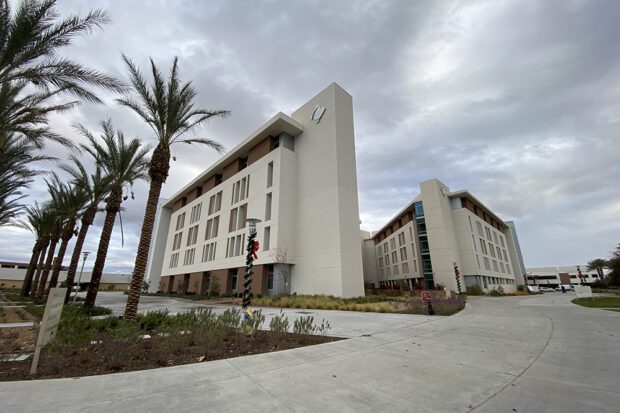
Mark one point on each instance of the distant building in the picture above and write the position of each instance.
(297, 174)
(12, 275)
(554, 276)
(437, 231)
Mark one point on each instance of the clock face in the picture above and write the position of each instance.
(318, 113)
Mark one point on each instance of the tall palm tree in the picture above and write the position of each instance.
(38, 221)
(167, 106)
(55, 233)
(124, 162)
(96, 186)
(30, 39)
(71, 202)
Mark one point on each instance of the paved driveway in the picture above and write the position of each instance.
(343, 323)
(532, 354)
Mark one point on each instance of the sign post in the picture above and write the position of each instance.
(49, 324)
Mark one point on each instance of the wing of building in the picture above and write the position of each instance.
(439, 234)
(297, 174)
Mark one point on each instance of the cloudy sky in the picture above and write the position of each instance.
(516, 101)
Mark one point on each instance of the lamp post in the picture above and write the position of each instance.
(251, 249)
(85, 254)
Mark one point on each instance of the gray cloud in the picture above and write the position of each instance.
(515, 101)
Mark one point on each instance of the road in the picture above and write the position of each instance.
(509, 354)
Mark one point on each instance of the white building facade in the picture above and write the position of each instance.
(564, 275)
(438, 231)
(297, 174)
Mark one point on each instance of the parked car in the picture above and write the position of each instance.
(546, 289)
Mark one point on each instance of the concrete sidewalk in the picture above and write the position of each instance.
(532, 354)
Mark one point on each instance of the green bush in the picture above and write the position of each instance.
(474, 290)
(520, 287)
(304, 325)
(279, 323)
(153, 319)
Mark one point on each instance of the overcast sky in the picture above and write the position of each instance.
(516, 101)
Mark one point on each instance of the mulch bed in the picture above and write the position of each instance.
(95, 360)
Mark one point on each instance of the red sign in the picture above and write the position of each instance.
(426, 297)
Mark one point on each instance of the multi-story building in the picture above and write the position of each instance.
(297, 174)
(555, 276)
(434, 233)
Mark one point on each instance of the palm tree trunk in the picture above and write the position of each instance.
(158, 171)
(35, 283)
(102, 251)
(32, 266)
(87, 220)
(58, 263)
(46, 268)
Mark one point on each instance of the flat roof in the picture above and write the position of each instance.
(277, 124)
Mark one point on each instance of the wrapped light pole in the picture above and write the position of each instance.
(251, 249)
(457, 275)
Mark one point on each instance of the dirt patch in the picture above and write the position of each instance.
(14, 315)
(94, 360)
(17, 340)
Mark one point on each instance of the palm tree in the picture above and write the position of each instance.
(167, 106)
(16, 173)
(124, 163)
(96, 186)
(38, 219)
(71, 202)
(55, 233)
(597, 264)
(30, 39)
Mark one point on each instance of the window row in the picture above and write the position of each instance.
(192, 235)
(212, 227)
(215, 203)
(237, 218)
(176, 242)
(234, 246)
(208, 252)
(195, 213)
(174, 260)
(189, 256)
(180, 221)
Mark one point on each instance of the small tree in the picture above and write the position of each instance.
(279, 256)
(214, 287)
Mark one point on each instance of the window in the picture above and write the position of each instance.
(176, 243)
(491, 250)
(479, 227)
(473, 239)
(270, 277)
(208, 252)
(483, 246)
(410, 234)
(487, 264)
(394, 257)
(380, 262)
(499, 252)
(237, 218)
(215, 203)
(488, 231)
(413, 249)
(393, 244)
(495, 237)
(268, 207)
(501, 240)
(401, 239)
(405, 268)
(234, 279)
(269, 174)
(403, 254)
(234, 246)
(192, 235)
(388, 272)
(495, 268)
(419, 209)
(415, 265)
(198, 191)
(266, 238)
(421, 228)
(212, 227)
(470, 226)
(395, 269)
(505, 256)
(174, 260)
(478, 260)
(387, 260)
(195, 213)
(189, 256)
(501, 267)
(180, 221)
(240, 190)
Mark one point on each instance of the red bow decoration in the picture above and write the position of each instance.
(256, 245)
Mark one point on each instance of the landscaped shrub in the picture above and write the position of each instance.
(474, 290)
(152, 319)
(304, 325)
(494, 293)
(279, 323)
(520, 287)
